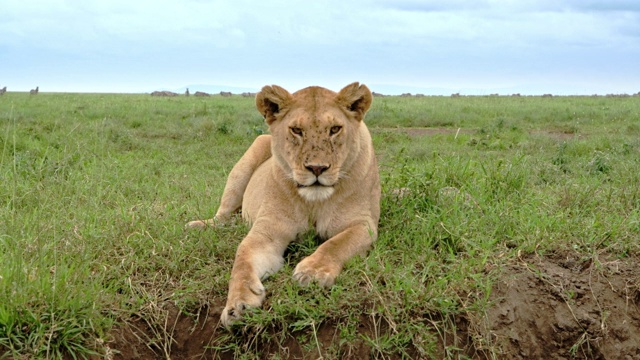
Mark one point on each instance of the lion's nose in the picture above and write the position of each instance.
(317, 169)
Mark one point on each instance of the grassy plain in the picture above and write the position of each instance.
(95, 190)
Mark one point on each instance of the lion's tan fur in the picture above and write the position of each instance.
(317, 170)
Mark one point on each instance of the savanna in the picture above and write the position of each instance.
(509, 229)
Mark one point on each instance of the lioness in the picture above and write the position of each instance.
(316, 169)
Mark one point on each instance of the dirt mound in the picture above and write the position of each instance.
(564, 306)
(556, 307)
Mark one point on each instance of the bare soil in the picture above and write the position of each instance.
(566, 307)
(560, 306)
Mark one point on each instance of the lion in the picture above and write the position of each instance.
(316, 170)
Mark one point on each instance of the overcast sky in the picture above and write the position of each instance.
(433, 47)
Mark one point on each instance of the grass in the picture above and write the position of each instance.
(95, 190)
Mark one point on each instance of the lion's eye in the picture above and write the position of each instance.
(335, 129)
(296, 131)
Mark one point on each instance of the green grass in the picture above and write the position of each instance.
(95, 191)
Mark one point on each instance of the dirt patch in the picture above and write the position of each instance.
(185, 336)
(557, 307)
(172, 334)
(566, 307)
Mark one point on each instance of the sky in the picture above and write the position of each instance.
(474, 47)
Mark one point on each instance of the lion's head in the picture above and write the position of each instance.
(316, 134)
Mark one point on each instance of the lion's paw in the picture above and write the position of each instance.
(232, 313)
(204, 224)
(200, 224)
(314, 269)
(240, 299)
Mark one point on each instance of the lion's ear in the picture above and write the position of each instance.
(356, 98)
(271, 100)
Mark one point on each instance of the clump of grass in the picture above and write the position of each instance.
(599, 163)
(51, 304)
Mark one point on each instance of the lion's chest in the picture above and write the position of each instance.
(325, 221)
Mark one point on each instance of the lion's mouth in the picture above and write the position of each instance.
(315, 184)
(316, 191)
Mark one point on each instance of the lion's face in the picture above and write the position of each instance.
(315, 134)
(314, 148)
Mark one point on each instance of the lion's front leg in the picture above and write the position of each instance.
(326, 263)
(257, 257)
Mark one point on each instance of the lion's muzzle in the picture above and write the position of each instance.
(317, 170)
